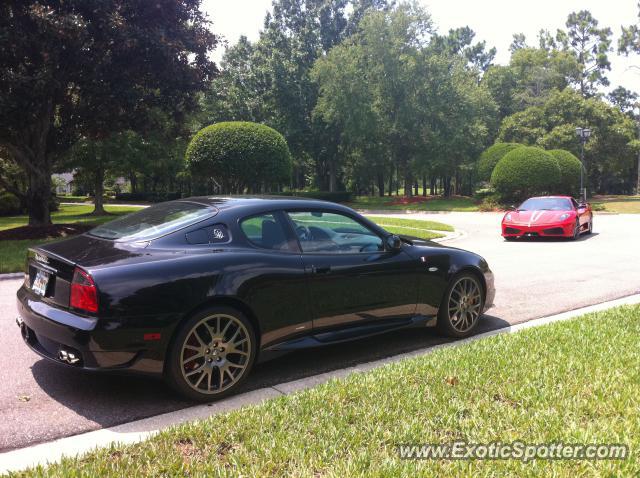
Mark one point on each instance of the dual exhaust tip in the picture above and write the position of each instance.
(68, 357)
(64, 355)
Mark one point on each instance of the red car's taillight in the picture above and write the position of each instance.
(84, 295)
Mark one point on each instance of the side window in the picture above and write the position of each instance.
(265, 231)
(328, 232)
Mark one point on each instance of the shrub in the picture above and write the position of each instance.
(569, 172)
(240, 155)
(524, 172)
(9, 205)
(490, 157)
(490, 203)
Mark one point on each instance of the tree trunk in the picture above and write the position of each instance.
(332, 176)
(391, 184)
(424, 185)
(380, 184)
(408, 184)
(38, 197)
(98, 188)
(134, 182)
(446, 184)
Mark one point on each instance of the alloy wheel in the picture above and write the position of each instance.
(215, 354)
(465, 303)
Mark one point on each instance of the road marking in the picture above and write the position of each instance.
(140, 430)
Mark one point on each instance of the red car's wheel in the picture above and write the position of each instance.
(576, 231)
(590, 229)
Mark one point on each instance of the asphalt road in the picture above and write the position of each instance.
(40, 401)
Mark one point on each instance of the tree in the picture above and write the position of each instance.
(532, 74)
(519, 41)
(624, 99)
(75, 70)
(609, 153)
(629, 41)
(459, 41)
(589, 45)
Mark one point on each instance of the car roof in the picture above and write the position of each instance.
(263, 203)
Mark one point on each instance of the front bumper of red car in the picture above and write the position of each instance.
(563, 229)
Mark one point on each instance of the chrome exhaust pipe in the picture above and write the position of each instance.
(68, 357)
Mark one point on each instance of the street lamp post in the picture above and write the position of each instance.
(583, 134)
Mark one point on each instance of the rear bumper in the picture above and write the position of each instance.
(82, 342)
(546, 230)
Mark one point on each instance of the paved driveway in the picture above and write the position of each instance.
(40, 401)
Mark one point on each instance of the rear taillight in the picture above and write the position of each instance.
(84, 295)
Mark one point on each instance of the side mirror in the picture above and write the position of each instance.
(393, 243)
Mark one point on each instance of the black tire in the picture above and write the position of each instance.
(576, 231)
(510, 238)
(446, 324)
(229, 369)
(590, 228)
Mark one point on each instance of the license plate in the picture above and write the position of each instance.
(39, 285)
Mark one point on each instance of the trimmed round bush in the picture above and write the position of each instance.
(524, 172)
(240, 155)
(569, 171)
(490, 157)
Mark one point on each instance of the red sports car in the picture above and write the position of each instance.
(548, 216)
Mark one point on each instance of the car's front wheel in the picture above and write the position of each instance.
(211, 354)
(461, 306)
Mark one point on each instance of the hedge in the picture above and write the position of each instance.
(148, 197)
(569, 171)
(490, 157)
(524, 172)
(240, 154)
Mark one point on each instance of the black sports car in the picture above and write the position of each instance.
(196, 290)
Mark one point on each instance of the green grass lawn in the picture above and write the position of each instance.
(70, 214)
(619, 204)
(12, 253)
(434, 204)
(572, 382)
(412, 227)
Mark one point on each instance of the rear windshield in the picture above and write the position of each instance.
(154, 221)
(546, 204)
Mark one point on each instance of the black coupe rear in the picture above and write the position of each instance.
(196, 290)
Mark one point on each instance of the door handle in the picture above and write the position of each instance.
(320, 269)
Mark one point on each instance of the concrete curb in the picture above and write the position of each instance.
(139, 430)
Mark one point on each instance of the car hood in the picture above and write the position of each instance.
(537, 217)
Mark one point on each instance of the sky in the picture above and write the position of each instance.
(493, 21)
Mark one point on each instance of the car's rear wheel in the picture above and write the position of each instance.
(461, 306)
(211, 354)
